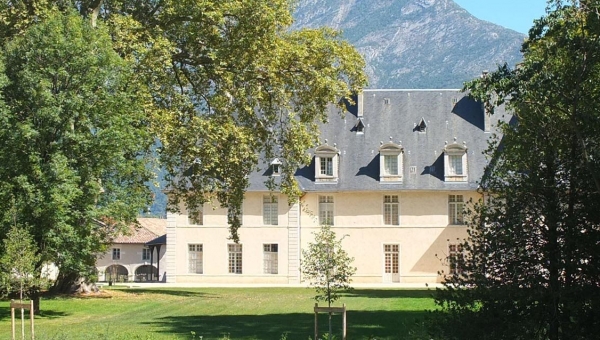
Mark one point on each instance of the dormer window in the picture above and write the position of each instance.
(390, 162)
(326, 163)
(455, 162)
(422, 126)
(276, 167)
(359, 127)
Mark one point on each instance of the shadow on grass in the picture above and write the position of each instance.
(44, 314)
(298, 326)
(172, 292)
(390, 293)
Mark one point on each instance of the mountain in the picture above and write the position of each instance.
(415, 43)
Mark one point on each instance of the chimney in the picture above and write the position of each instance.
(359, 104)
(487, 118)
(487, 121)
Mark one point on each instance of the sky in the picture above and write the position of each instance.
(514, 14)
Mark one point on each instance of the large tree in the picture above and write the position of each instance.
(530, 268)
(231, 85)
(74, 137)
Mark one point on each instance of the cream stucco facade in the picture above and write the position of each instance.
(422, 237)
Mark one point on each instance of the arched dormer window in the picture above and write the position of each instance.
(326, 163)
(390, 162)
(455, 162)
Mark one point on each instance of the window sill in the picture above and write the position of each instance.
(455, 179)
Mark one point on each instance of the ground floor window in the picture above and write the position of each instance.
(454, 257)
(270, 257)
(391, 253)
(235, 258)
(195, 259)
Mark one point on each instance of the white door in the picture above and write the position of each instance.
(391, 255)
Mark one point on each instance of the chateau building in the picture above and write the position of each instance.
(391, 175)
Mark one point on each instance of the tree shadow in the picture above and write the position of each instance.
(44, 314)
(297, 326)
(172, 292)
(391, 293)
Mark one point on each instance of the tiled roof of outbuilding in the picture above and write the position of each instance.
(147, 230)
(397, 116)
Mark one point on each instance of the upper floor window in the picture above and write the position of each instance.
(326, 210)
(390, 162)
(326, 163)
(455, 161)
(391, 210)
(145, 254)
(232, 216)
(270, 210)
(196, 216)
(116, 253)
(456, 206)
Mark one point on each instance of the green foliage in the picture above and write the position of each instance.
(529, 271)
(75, 137)
(18, 263)
(327, 266)
(219, 83)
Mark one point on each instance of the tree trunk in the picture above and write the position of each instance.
(64, 283)
(35, 296)
(330, 325)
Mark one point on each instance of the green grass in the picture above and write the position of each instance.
(214, 313)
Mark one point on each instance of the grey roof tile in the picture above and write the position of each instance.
(394, 115)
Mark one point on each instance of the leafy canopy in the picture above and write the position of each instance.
(531, 257)
(230, 86)
(75, 139)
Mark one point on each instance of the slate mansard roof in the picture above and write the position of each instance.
(449, 116)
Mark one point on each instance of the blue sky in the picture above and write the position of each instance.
(514, 14)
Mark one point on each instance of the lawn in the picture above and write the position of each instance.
(218, 313)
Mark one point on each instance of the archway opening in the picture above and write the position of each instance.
(116, 273)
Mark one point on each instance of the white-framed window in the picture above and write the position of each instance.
(455, 166)
(196, 216)
(454, 256)
(195, 259)
(235, 258)
(116, 253)
(145, 254)
(390, 162)
(391, 210)
(270, 258)
(455, 163)
(456, 206)
(326, 163)
(326, 210)
(391, 271)
(390, 165)
(276, 167)
(270, 210)
(326, 166)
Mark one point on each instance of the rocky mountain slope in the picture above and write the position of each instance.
(415, 43)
